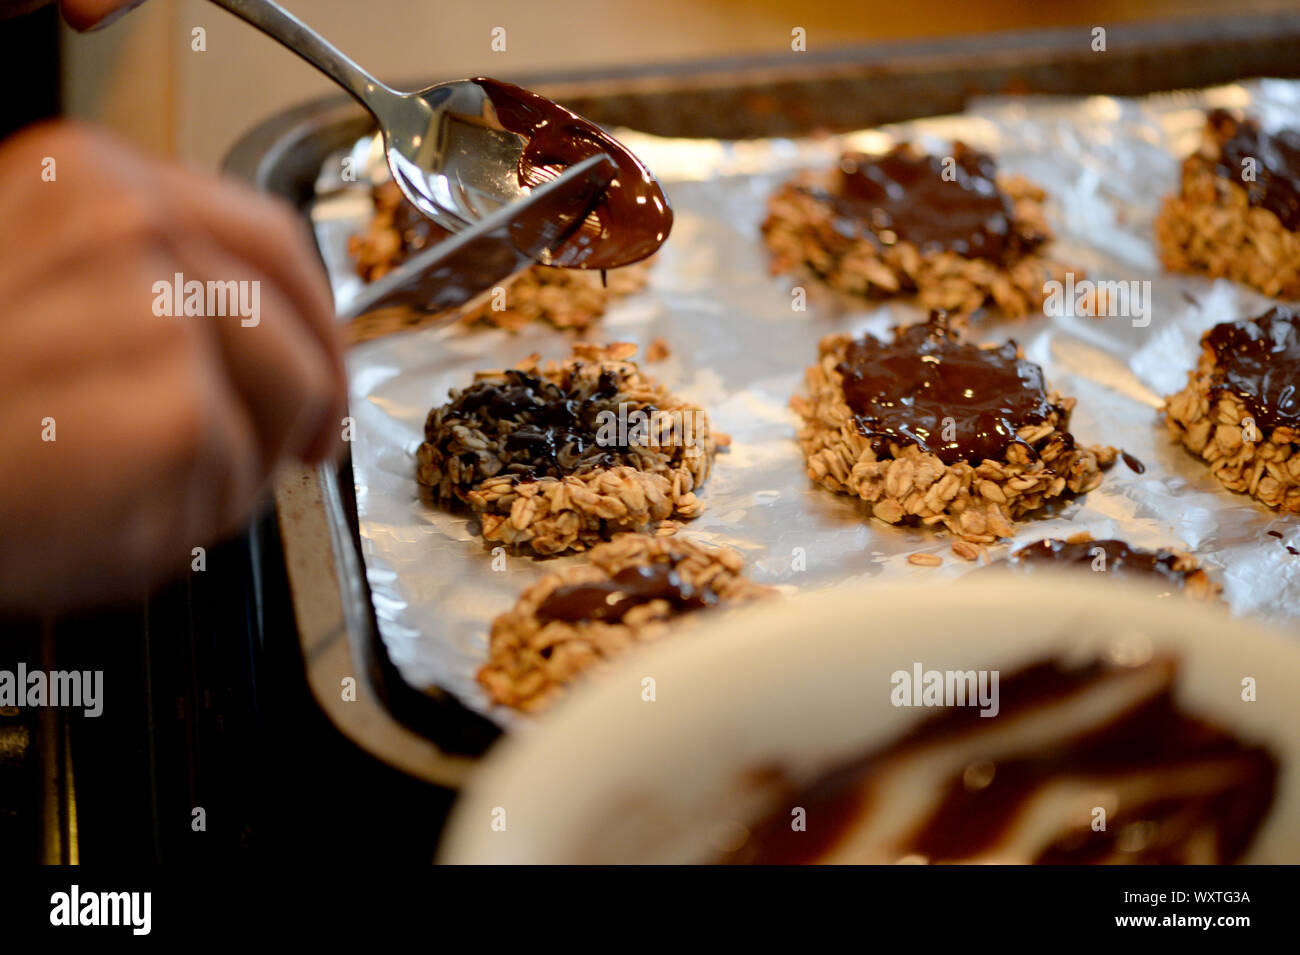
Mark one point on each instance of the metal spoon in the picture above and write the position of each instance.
(446, 149)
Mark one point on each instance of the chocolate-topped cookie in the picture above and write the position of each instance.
(954, 400)
(927, 428)
(627, 592)
(948, 229)
(1237, 212)
(1240, 411)
(558, 457)
(1171, 570)
(935, 203)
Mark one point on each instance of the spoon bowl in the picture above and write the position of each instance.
(462, 150)
(448, 155)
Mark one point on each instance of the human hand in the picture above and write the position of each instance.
(164, 428)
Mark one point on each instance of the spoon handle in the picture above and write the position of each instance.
(282, 26)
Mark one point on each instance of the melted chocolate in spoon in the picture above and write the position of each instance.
(634, 217)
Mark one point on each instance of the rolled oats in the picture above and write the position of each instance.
(979, 502)
(1245, 454)
(1212, 226)
(533, 656)
(547, 487)
(802, 235)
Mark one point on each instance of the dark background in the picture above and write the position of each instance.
(205, 706)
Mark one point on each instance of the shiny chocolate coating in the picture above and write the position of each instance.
(1275, 178)
(902, 391)
(633, 218)
(1121, 559)
(1258, 360)
(610, 600)
(936, 203)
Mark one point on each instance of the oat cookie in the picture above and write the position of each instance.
(559, 457)
(928, 429)
(1240, 411)
(1237, 212)
(625, 593)
(948, 230)
(1175, 570)
(566, 298)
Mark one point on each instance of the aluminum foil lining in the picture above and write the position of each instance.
(739, 349)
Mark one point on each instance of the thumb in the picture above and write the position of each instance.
(95, 14)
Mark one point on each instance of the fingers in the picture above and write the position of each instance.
(254, 238)
(94, 14)
(277, 367)
(270, 237)
(210, 230)
(265, 231)
(168, 423)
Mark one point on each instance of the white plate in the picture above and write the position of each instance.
(804, 682)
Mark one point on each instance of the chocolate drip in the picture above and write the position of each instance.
(1258, 360)
(1134, 465)
(610, 600)
(1276, 183)
(975, 813)
(634, 217)
(902, 392)
(1121, 559)
(936, 205)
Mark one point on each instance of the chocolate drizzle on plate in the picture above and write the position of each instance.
(610, 600)
(634, 217)
(1258, 360)
(937, 203)
(902, 391)
(1276, 164)
(1183, 790)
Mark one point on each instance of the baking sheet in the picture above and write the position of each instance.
(739, 350)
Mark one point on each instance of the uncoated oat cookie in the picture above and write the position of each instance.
(947, 229)
(1237, 210)
(625, 593)
(1240, 411)
(928, 429)
(559, 457)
